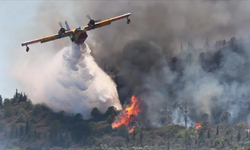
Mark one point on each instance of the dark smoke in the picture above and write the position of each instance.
(168, 75)
(153, 63)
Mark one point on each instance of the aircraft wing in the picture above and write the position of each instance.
(106, 22)
(49, 38)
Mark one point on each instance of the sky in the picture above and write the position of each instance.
(15, 16)
(18, 21)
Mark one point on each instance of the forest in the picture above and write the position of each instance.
(35, 127)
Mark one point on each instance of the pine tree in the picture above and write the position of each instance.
(238, 136)
(1, 101)
(27, 127)
(127, 137)
(16, 132)
(200, 134)
(21, 131)
(217, 130)
(134, 135)
(38, 135)
(208, 133)
(16, 94)
(35, 133)
(141, 138)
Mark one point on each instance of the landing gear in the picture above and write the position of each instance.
(27, 48)
(128, 21)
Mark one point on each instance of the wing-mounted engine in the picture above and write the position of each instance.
(92, 22)
(62, 30)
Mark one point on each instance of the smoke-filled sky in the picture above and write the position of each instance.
(141, 49)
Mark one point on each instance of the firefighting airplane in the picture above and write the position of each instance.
(79, 34)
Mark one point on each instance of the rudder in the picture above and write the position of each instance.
(68, 28)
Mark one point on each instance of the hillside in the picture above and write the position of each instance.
(34, 127)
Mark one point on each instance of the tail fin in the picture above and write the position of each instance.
(68, 28)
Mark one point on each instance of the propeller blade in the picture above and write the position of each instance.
(60, 24)
(88, 17)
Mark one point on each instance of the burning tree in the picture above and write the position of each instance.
(128, 115)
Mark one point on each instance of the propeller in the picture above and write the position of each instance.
(60, 24)
(88, 17)
(92, 19)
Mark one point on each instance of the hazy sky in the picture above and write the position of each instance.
(15, 16)
(22, 21)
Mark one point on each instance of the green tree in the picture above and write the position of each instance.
(168, 146)
(208, 133)
(134, 135)
(36, 110)
(2, 125)
(68, 140)
(7, 103)
(21, 118)
(201, 133)
(127, 137)
(77, 117)
(110, 118)
(122, 130)
(238, 136)
(217, 130)
(27, 127)
(92, 126)
(12, 131)
(95, 113)
(55, 128)
(21, 131)
(111, 111)
(16, 94)
(1, 101)
(225, 117)
(17, 133)
(22, 98)
(247, 134)
(141, 136)
(8, 112)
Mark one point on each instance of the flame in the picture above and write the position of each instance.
(131, 130)
(198, 126)
(128, 114)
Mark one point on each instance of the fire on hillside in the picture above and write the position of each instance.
(128, 115)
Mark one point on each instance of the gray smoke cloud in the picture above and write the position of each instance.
(143, 52)
(69, 81)
(144, 49)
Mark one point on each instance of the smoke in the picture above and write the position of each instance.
(69, 81)
(144, 53)
(155, 65)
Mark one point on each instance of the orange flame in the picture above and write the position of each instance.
(198, 126)
(129, 114)
(131, 130)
